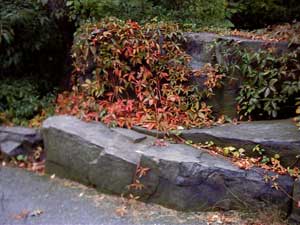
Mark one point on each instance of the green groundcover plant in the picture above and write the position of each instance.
(22, 100)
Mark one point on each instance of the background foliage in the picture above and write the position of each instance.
(22, 100)
(30, 43)
(253, 14)
(197, 12)
(246, 14)
(269, 82)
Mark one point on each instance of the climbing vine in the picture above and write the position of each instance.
(126, 74)
(268, 80)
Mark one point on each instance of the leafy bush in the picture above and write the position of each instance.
(29, 41)
(131, 75)
(197, 12)
(21, 100)
(80, 11)
(269, 81)
(251, 14)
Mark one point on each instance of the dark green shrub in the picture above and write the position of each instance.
(94, 9)
(269, 82)
(22, 100)
(251, 14)
(198, 12)
(29, 41)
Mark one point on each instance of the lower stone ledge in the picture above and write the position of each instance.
(176, 176)
(295, 214)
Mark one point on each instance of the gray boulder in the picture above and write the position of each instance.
(295, 215)
(211, 48)
(90, 153)
(206, 47)
(179, 176)
(200, 46)
(188, 179)
(275, 136)
(18, 140)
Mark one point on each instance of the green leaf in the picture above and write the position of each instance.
(267, 92)
(69, 3)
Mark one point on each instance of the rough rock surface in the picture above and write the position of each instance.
(200, 47)
(130, 135)
(275, 136)
(207, 48)
(18, 140)
(295, 215)
(180, 176)
(187, 179)
(90, 153)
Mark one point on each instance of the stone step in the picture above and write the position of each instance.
(178, 176)
(280, 137)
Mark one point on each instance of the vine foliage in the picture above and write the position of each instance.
(126, 74)
(269, 81)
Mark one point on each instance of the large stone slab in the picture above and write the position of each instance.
(203, 47)
(212, 48)
(187, 179)
(275, 136)
(90, 153)
(295, 215)
(133, 136)
(200, 46)
(18, 140)
(179, 176)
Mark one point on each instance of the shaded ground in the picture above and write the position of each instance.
(27, 198)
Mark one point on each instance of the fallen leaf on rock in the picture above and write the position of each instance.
(22, 165)
(121, 211)
(142, 171)
(243, 164)
(38, 166)
(22, 215)
(137, 185)
(214, 219)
